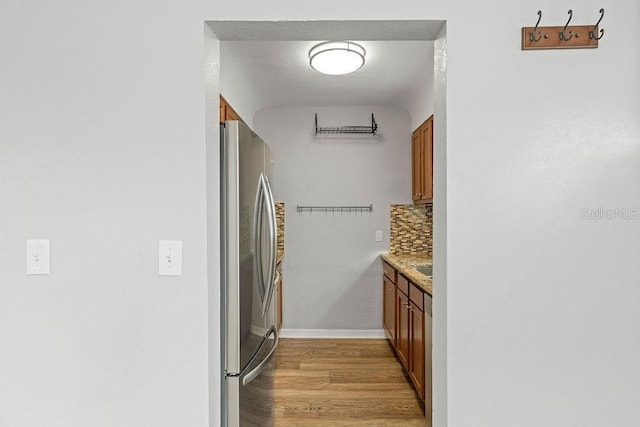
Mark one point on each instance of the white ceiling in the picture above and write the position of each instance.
(279, 72)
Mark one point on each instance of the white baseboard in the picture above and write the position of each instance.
(332, 333)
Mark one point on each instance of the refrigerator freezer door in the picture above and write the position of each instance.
(244, 322)
(251, 401)
(254, 233)
(249, 255)
(256, 389)
(257, 366)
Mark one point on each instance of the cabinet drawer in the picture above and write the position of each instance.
(403, 284)
(416, 296)
(389, 271)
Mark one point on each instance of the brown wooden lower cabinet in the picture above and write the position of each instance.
(404, 323)
(403, 349)
(416, 344)
(389, 308)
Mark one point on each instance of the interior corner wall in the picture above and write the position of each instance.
(419, 99)
(332, 269)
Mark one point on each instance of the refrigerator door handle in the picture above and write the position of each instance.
(251, 375)
(273, 246)
(257, 237)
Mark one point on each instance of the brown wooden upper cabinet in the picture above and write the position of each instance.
(226, 112)
(422, 162)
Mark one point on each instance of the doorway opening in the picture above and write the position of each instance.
(245, 98)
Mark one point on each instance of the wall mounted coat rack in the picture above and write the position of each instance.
(562, 37)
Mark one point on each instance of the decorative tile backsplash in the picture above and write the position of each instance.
(280, 224)
(411, 230)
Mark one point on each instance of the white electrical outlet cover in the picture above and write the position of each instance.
(37, 257)
(170, 258)
(378, 235)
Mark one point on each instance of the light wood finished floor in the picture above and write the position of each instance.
(343, 382)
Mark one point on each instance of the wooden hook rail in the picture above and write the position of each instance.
(562, 37)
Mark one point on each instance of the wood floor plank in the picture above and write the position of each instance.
(332, 364)
(322, 382)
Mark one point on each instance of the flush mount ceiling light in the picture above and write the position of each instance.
(336, 57)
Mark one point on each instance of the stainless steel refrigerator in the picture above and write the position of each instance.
(249, 250)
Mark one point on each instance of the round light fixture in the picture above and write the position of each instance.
(336, 58)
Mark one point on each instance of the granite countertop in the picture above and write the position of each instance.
(405, 263)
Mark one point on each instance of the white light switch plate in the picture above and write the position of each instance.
(37, 257)
(378, 235)
(170, 258)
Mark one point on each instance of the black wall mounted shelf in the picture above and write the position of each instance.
(369, 129)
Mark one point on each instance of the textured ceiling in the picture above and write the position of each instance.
(271, 59)
(280, 73)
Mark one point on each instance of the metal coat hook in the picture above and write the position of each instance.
(567, 36)
(562, 35)
(532, 36)
(592, 34)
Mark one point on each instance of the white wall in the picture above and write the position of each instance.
(542, 304)
(332, 270)
(419, 99)
(236, 86)
(102, 152)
